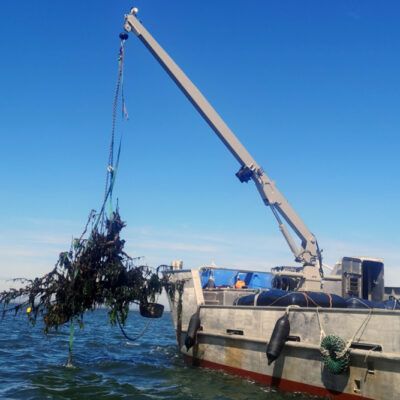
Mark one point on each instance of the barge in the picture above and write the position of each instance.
(234, 338)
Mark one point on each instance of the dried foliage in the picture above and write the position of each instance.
(95, 271)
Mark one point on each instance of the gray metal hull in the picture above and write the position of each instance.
(234, 339)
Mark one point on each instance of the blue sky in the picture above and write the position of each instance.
(311, 88)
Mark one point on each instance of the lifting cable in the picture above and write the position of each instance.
(112, 167)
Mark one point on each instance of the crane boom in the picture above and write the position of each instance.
(308, 254)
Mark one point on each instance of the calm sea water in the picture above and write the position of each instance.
(32, 365)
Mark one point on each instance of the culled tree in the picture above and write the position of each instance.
(95, 271)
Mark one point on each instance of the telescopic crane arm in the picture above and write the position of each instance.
(308, 254)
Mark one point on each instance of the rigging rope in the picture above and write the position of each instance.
(136, 337)
(111, 168)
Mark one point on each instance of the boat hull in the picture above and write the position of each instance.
(279, 383)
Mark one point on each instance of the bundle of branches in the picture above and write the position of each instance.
(94, 271)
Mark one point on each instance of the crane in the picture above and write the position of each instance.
(309, 254)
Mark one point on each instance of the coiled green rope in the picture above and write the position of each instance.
(334, 354)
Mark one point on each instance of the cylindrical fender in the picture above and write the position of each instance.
(278, 338)
(194, 326)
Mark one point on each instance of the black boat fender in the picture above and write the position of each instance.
(194, 326)
(278, 338)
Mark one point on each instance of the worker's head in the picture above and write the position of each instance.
(239, 284)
